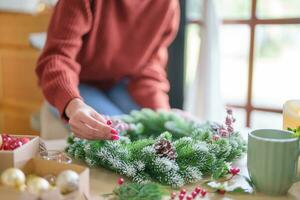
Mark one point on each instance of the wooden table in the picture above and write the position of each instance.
(103, 181)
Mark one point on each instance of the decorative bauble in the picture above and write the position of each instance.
(14, 144)
(51, 179)
(13, 177)
(29, 177)
(67, 181)
(10, 143)
(6, 139)
(37, 185)
(24, 140)
(164, 148)
(22, 187)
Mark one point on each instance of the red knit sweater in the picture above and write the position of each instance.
(106, 42)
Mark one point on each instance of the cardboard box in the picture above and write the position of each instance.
(19, 156)
(42, 168)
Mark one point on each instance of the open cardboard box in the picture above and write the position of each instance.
(42, 168)
(19, 156)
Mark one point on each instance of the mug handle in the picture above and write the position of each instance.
(297, 178)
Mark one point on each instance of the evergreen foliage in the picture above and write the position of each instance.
(198, 151)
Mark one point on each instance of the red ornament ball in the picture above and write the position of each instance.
(24, 140)
(10, 143)
(189, 197)
(17, 144)
(7, 139)
(120, 181)
(5, 146)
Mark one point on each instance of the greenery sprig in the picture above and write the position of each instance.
(296, 131)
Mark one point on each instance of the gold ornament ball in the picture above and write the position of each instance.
(67, 181)
(22, 187)
(13, 177)
(37, 185)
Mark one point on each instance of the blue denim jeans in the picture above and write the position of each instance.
(115, 101)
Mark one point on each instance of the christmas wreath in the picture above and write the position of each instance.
(165, 147)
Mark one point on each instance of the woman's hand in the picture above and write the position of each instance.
(86, 123)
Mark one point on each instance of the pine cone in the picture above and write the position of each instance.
(164, 148)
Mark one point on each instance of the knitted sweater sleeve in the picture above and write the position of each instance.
(57, 68)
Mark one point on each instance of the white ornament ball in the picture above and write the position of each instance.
(67, 181)
(13, 177)
(37, 185)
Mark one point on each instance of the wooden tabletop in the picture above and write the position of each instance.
(103, 181)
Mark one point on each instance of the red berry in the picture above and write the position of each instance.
(234, 171)
(203, 193)
(173, 195)
(120, 181)
(216, 137)
(221, 191)
(181, 196)
(183, 191)
(198, 190)
(189, 197)
(24, 140)
(194, 194)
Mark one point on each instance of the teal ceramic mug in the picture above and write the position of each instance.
(273, 160)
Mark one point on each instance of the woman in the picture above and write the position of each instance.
(106, 57)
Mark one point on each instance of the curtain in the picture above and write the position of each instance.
(203, 98)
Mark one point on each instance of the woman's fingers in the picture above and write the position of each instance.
(95, 124)
(87, 123)
(98, 117)
(78, 133)
(102, 131)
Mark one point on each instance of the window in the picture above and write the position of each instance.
(260, 42)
